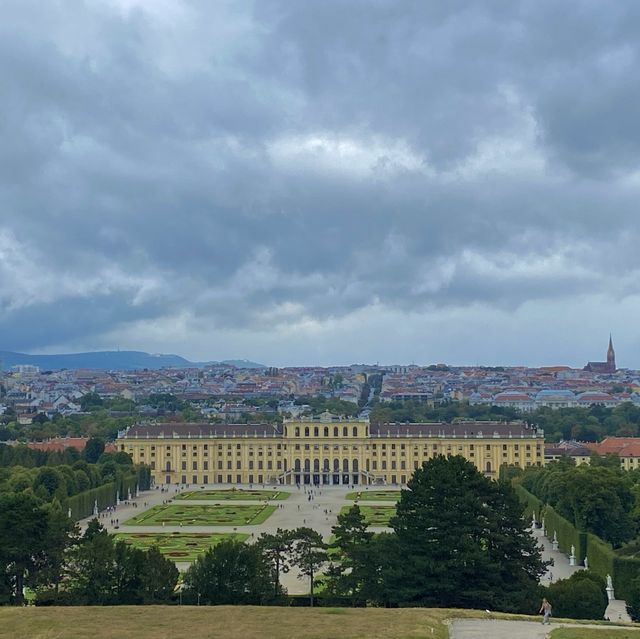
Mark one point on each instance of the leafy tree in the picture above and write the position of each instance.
(309, 553)
(128, 566)
(355, 571)
(91, 567)
(582, 596)
(93, 449)
(159, 577)
(277, 549)
(61, 534)
(23, 535)
(230, 573)
(462, 541)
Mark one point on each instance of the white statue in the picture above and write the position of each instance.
(586, 563)
(573, 550)
(610, 594)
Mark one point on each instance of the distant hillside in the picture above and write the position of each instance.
(110, 360)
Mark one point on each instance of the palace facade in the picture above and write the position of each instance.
(322, 450)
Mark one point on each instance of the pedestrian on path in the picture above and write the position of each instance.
(545, 609)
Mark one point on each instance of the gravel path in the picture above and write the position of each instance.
(499, 629)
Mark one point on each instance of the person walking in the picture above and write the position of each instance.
(545, 609)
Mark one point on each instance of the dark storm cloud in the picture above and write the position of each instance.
(249, 165)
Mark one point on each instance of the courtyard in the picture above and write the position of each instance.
(194, 515)
(179, 546)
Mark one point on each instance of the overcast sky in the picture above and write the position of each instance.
(321, 182)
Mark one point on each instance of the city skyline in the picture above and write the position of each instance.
(590, 365)
(321, 184)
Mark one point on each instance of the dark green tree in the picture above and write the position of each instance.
(277, 549)
(61, 534)
(23, 535)
(462, 541)
(354, 572)
(159, 577)
(309, 553)
(230, 573)
(93, 449)
(91, 568)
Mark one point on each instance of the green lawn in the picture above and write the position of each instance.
(374, 495)
(593, 633)
(375, 515)
(192, 515)
(179, 546)
(235, 494)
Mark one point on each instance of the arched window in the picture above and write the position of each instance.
(488, 467)
(336, 465)
(315, 431)
(307, 465)
(354, 465)
(306, 431)
(296, 465)
(355, 431)
(345, 465)
(316, 465)
(168, 466)
(345, 431)
(297, 431)
(335, 431)
(325, 465)
(326, 431)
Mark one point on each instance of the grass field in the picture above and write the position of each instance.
(179, 546)
(374, 495)
(375, 515)
(219, 622)
(215, 515)
(234, 494)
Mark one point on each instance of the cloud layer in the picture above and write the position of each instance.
(321, 183)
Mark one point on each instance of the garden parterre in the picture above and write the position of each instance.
(198, 515)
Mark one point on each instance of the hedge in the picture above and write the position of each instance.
(82, 504)
(568, 535)
(531, 503)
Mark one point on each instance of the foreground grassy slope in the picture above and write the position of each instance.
(220, 622)
(248, 622)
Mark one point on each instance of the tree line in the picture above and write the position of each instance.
(41, 474)
(599, 497)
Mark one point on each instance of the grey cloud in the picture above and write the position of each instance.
(253, 163)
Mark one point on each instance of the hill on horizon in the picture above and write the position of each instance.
(112, 360)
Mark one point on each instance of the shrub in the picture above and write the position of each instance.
(582, 596)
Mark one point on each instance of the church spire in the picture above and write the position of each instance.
(611, 355)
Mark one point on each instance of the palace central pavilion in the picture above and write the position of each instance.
(322, 450)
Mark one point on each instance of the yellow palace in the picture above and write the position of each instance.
(322, 450)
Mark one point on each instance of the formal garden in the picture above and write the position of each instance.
(374, 495)
(235, 494)
(193, 515)
(179, 546)
(375, 515)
